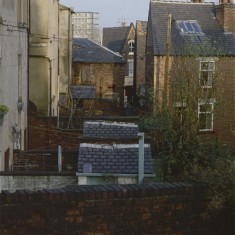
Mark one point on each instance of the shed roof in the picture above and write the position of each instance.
(113, 159)
(214, 39)
(87, 51)
(82, 92)
(110, 130)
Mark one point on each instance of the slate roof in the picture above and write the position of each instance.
(87, 51)
(82, 92)
(114, 130)
(114, 38)
(216, 41)
(113, 159)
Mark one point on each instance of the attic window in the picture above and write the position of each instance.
(131, 45)
(189, 26)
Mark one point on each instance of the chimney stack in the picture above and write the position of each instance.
(225, 14)
(197, 1)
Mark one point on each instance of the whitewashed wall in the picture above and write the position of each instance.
(13, 74)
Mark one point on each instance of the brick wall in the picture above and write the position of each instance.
(108, 79)
(141, 30)
(108, 210)
(224, 125)
(225, 109)
(225, 14)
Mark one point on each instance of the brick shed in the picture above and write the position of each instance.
(111, 162)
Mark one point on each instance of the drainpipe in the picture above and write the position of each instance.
(141, 158)
(168, 46)
(59, 158)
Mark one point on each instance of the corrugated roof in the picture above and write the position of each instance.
(213, 38)
(87, 51)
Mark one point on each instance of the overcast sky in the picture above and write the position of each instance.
(112, 12)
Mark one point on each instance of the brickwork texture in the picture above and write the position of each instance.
(108, 210)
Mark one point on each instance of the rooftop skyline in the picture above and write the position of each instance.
(112, 13)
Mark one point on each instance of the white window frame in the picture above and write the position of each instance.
(179, 109)
(131, 47)
(187, 29)
(130, 68)
(210, 102)
(210, 70)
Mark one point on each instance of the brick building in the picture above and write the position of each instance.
(99, 67)
(122, 40)
(115, 160)
(197, 39)
(139, 65)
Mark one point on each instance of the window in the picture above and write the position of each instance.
(22, 13)
(207, 69)
(130, 67)
(189, 27)
(205, 115)
(179, 108)
(131, 45)
(85, 74)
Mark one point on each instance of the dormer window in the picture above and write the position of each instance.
(189, 26)
(131, 45)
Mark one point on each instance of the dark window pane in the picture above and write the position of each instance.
(182, 27)
(196, 27)
(189, 27)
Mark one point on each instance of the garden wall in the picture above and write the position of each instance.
(178, 208)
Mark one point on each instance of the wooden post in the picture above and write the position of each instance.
(59, 159)
(141, 158)
(168, 46)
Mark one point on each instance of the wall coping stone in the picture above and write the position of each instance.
(36, 173)
(98, 192)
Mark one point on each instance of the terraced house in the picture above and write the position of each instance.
(190, 58)
(14, 23)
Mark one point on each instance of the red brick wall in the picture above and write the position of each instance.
(44, 134)
(225, 13)
(107, 210)
(225, 110)
(140, 54)
(224, 116)
(108, 78)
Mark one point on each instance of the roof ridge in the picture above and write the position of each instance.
(105, 48)
(182, 2)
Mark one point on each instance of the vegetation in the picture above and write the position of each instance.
(3, 109)
(185, 154)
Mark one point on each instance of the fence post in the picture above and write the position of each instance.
(59, 159)
(141, 158)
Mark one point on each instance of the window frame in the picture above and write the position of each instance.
(210, 102)
(131, 47)
(130, 69)
(179, 109)
(184, 29)
(210, 73)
